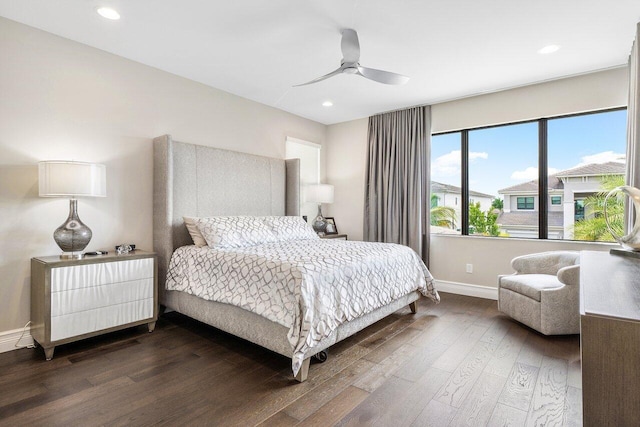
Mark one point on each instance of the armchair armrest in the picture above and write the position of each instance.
(570, 275)
(544, 262)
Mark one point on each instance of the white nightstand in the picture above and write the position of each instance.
(81, 298)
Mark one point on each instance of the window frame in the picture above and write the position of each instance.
(558, 198)
(544, 200)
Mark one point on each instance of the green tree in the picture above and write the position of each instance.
(497, 204)
(482, 222)
(594, 227)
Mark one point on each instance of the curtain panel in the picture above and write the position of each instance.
(633, 131)
(396, 208)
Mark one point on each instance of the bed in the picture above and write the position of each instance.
(204, 182)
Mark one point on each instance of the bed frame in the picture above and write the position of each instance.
(201, 181)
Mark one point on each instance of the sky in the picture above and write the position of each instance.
(503, 156)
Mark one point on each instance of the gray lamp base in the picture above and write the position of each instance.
(73, 235)
(72, 255)
(319, 223)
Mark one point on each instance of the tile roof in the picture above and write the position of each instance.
(438, 187)
(529, 219)
(609, 168)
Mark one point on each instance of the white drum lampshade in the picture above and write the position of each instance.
(320, 193)
(72, 179)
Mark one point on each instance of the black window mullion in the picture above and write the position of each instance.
(543, 181)
(464, 208)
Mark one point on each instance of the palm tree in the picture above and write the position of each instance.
(443, 216)
(595, 228)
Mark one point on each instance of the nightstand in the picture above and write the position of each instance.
(80, 298)
(335, 236)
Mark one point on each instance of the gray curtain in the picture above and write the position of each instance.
(396, 208)
(633, 123)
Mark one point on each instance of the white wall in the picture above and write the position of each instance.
(489, 256)
(63, 100)
(587, 92)
(345, 165)
(346, 159)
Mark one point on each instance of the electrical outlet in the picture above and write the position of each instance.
(469, 268)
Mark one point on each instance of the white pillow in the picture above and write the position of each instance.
(235, 231)
(290, 228)
(196, 236)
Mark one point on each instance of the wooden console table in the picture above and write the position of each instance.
(610, 339)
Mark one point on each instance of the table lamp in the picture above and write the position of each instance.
(320, 193)
(72, 179)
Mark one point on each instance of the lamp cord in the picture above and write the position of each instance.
(24, 331)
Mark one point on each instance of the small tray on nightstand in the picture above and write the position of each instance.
(335, 236)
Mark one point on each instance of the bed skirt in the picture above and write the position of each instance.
(264, 332)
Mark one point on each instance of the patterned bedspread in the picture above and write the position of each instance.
(309, 286)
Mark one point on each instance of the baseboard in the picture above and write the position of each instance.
(467, 289)
(9, 340)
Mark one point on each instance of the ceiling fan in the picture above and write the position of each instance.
(350, 65)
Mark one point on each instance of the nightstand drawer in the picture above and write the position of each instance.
(89, 298)
(90, 275)
(84, 322)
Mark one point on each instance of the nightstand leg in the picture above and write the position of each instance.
(151, 326)
(48, 352)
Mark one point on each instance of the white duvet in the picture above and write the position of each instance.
(309, 286)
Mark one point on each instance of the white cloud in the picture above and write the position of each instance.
(477, 155)
(529, 174)
(449, 164)
(603, 157)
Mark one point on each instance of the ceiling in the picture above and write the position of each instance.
(259, 49)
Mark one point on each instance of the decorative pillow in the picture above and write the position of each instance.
(196, 236)
(290, 228)
(235, 231)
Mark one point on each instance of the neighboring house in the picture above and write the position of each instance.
(567, 192)
(451, 196)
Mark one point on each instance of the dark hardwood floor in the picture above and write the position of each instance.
(457, 363)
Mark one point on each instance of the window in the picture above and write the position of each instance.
(445, 183)
(540, 179)
(498, 160)
(578, 209)
(525, 203)
(586, 158)
(309, 155)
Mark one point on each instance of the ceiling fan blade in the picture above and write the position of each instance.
(326, 76)
(350, 46)
(380, 76)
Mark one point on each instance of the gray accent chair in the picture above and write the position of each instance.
(544, 291)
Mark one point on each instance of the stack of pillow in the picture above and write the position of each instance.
(226, 232)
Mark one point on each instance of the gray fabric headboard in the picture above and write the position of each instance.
(195, 180)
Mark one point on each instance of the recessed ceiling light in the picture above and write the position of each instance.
(327, 104)
(549, 49)
(107, 12)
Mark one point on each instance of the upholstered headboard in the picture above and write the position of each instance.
(195, 180)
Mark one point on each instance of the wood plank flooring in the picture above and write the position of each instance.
(459, 363)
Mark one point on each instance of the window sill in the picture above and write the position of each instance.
(601, 245)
